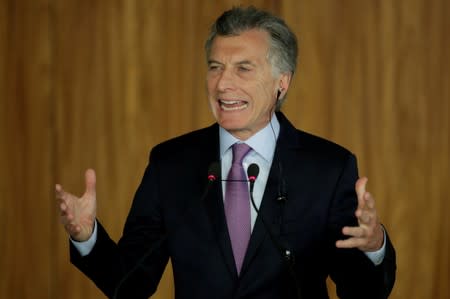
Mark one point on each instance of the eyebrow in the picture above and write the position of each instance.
(245, 62)
(242, 62)
(210, 61)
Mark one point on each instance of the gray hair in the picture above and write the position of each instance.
(283, 49)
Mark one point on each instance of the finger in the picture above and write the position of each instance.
(350, 243)
(90, 179)
(360, 185)
(63, 207)
(59, 191)
(66, 220)
(368, 214)
(360, 188)
(365, 218)
(354, 231)
(369, 200)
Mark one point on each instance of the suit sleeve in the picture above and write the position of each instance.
(142, 244)
(354, 274)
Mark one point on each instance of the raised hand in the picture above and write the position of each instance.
(78, 213)
(368, 235)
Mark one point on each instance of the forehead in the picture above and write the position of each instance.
(249, 44)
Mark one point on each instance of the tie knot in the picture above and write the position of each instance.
(239, 152)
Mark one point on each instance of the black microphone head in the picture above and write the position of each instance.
(213, 171)
(252, 172)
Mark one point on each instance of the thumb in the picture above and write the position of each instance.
(90, 181)
(361, 185)
(360, 188)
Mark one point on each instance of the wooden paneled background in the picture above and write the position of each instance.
(98, 83)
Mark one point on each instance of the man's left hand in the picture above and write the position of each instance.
(368, 235)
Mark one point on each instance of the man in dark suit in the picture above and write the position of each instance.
(300, 221)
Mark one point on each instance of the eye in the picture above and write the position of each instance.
(243, 69)
(213, 67)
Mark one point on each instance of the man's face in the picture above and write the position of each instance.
(242, 89)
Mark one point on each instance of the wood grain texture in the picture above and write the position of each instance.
(27, 215)
(374, 77)
(98, 83)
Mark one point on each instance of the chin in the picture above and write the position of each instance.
(231, 125)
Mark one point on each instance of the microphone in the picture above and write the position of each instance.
(213, 175)
(252, 174)
(286, 254)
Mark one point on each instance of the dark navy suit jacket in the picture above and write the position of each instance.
(318, 178)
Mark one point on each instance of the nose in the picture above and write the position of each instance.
(225, 80)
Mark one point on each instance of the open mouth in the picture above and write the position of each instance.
(232, 105)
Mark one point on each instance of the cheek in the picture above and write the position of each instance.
(266, 87)
(265, 96)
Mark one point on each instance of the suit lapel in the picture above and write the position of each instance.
(287, 145)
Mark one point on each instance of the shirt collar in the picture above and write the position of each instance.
(263, 142)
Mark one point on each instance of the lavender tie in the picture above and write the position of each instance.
(237, 205)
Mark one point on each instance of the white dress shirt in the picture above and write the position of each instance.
(263, 148)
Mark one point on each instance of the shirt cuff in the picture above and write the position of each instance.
(377, 256)
(85, 247)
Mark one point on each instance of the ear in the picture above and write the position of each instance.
(283, 83)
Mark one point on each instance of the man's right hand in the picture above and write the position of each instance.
(78, 213)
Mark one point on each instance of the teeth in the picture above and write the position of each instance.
(225, 108)
(232, 105)
(229, 102)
